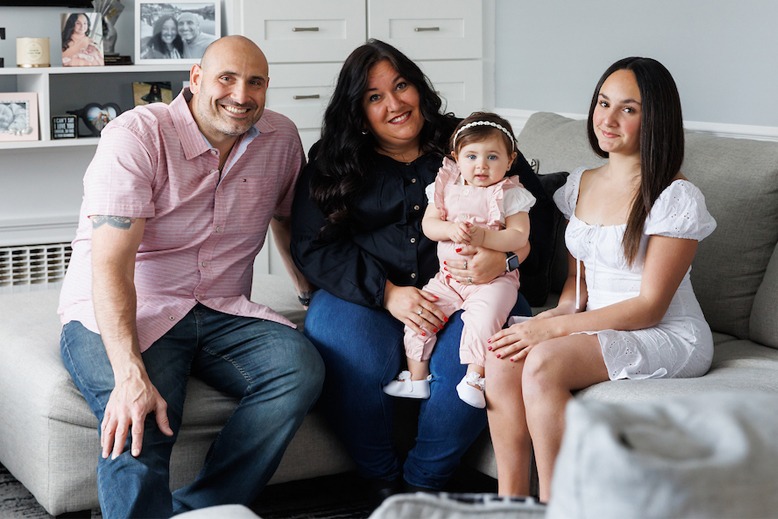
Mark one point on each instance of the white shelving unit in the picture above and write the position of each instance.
(69, 88)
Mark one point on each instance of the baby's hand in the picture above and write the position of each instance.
(459, 232)
(477, 235)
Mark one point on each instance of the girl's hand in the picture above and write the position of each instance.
(480, 265)
(415, 308)
(516, 341)
(477, 235)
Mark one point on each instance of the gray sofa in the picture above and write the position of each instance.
(48, 437)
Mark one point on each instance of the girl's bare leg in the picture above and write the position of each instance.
(552, 370)
(508, 426)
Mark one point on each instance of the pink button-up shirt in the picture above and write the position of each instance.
(202, 232)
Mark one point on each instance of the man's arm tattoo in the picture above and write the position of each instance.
(120, 222)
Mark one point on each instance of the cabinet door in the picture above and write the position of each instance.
(303, 30)
(429, 29)
(301, 92)
(458, 83)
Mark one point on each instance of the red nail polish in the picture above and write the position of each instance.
(445, 319)
(498, 356)
(459, 249)
(489, 340)
(423, 334)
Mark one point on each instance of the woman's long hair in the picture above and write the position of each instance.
(661, 140)
(70, 25)
(345, 153)
(156, 43)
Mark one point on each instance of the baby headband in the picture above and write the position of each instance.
(484, 123)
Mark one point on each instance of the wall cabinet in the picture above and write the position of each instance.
(306, 43)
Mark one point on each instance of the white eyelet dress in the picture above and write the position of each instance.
(681, 345)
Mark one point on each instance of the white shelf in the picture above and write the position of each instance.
(60, 89)
(113, 69)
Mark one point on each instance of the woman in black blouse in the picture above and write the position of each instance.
(357, 237)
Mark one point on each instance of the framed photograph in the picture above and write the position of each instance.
(18, 116)
(82, 40)
(144, 93)
(175, 32)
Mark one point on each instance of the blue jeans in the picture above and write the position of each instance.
(270, 367)
(362, 349)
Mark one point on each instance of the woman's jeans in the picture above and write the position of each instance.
(270, 367)
(362, 349)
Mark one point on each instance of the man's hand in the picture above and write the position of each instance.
(133, 397)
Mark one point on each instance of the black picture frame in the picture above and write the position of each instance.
(64, 127)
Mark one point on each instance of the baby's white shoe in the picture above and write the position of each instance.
(471, 390)
(404, 387)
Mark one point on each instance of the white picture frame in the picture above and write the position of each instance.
(19, 116)
(197, 24)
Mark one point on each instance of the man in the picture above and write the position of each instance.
(195, 42)
(177, 202)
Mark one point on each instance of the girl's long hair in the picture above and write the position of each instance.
(661, 140)
(345, 153)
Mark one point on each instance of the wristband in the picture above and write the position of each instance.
(304, 298)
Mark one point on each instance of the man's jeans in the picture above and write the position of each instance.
(272, 368)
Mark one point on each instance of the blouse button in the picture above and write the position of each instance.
(413, 240)
(416, 207)
(413, 275)
(171, 318)
(413, 181)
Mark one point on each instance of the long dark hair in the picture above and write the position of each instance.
(661, 139)
(156, 43)
(346, 152)
(70, 25)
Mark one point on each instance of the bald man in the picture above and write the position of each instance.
(195, 41)
(177, 203)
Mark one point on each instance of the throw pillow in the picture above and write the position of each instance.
(458, 506)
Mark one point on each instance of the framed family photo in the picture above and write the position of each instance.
(175, 32)
(18, 116)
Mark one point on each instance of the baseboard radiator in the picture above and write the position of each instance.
(33, 267)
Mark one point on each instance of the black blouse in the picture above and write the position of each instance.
(385, 239)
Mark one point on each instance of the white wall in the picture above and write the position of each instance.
(723, 55)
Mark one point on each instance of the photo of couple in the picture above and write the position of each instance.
(177, 31)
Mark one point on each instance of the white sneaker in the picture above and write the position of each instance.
(404, 387)
(471, 390)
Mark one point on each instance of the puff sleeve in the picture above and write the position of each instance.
(566, 196)
(680, 212)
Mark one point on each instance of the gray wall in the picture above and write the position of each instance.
(724, 55)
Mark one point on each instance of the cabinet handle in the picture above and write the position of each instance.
(305, 29)
(309, 96)
(426, 29)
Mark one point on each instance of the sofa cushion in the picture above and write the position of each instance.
(739, 179)
(712, 455)
(764, 316)
(537, 282)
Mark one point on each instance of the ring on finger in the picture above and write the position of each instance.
(419, 311)
(469, 280)
(465, 267)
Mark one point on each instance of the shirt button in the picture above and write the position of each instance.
(218, 229)
(413, 181)
(171, 318)
(413, 275)
(413, 240)
(204, 264)
(416, 207)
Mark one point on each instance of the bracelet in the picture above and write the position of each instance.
(304, 298)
